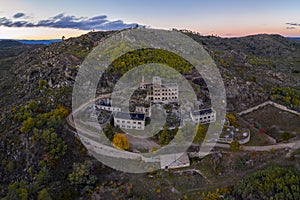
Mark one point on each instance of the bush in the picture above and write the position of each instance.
(120, 141)
(270, 183)
(234, 146)
(286, 136)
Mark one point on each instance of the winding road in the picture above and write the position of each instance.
(291, 145)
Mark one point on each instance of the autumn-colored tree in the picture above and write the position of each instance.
(120, 141)
(234, 146)
(262, 130)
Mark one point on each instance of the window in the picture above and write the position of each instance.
(139, 122)
(128, 122)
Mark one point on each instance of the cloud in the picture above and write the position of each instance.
(289, 27)
(68, 21)
(292, 24)
(18, 15)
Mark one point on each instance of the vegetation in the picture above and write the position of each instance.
(232, 119)
(287, 95)
(80, 176)
(17, 190)
(53, 144)
(132, 59)
(120, 141)
(234, 146)
(271, 183)
(108, 131)
(217, 194)
(44, 195)
(164, 138)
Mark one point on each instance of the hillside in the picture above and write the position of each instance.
(37, 89)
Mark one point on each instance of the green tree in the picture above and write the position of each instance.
(286, 136)
(27, 125)
(33, 106)
(232, 119)
(43, 176)
(108, 131)
(234, 146)
(17, 190)
(53, 144)
(271, 183)
(79, 174)
(164, 138)
(175, 130)
(44, 195)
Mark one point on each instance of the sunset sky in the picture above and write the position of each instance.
(36, 19)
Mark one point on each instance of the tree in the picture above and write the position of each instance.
(108, 131)
(27, 125)
(53, 144)
(33, 106)
(200, 134)
(79, 174)
(164, 138)
(44, 195)
(43, 176)
(120, 141)
(286, 136)
(234, 146)
(17, 190)
(271, 183)
(176, 130)
(232, 119)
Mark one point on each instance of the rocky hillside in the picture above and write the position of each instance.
(40, 79)
(252, 65)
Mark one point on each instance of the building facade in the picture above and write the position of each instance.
(204, 116)
(143, 110)
(162, 93)
(130, 120)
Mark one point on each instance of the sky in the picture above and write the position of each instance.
(36, 19)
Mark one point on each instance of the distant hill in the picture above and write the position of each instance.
(9, 43)
(294, 38)
(39, 41)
